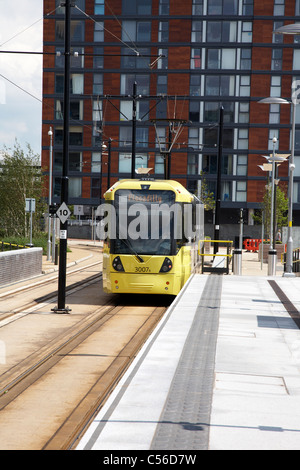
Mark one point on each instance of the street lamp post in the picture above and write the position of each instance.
(290, 29)
(272, 264)
(50, 133)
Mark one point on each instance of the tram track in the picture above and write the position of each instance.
(48, 364)
(44, 284)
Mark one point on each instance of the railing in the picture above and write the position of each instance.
(216, 266)
(11, 246)
(295, 262)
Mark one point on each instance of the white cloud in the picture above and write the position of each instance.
(20, 114)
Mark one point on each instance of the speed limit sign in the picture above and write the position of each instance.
(63, 212)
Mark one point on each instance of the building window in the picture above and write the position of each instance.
(212, 111)
(98, 58)
(96, 162)
(98, 31)
(241, 191)
(99, 7)
(247, 7)
(221, 59)
(137, 7)
(195, 85)
(242, 165)
(141, 161)
(159, 165)
(195, 59)
(245, 61)
(76, 57)
(163, 31)
(192, 164)
(196, 31)
(142, 108)
(278, 38)
(163, 62)
(194, 114)
(75, 187)
(221, 31)
(76, 83)
(245, 85)
(76, 30)
(197, 7)
(247, 31)
(97, 83)
(243, 113)
(160, 138)
(97, 111)
(162, 85)
(274, 116)
(139, 31)
(243, 139)
(222, 7)
(273, 133)
(130, 60)
(60, 10)
(194, 137)
(76, 110)
(95, 187)
(279, 7)
(276, 59)
(164, 6)
(220, 85)
(127, 81)
(75, 135)
(275, 89)
(75, 162)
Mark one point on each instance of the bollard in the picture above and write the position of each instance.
(272, 260)
(237, 262)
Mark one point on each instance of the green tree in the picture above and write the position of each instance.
(20, 178)
(206, 196)
(281, 210)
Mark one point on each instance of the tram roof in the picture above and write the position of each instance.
(182, 194)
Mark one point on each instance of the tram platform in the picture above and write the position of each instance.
(221, 371)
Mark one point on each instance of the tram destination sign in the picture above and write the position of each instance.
(63, 212)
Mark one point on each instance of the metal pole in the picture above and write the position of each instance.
(61, 307)
(219, 169)
(50, 133)
(134, 97)
(108, 163)
(272, 196)
(289, 247)
(275, 205)
(169, 153)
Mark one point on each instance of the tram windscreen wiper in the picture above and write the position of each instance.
(128, 244)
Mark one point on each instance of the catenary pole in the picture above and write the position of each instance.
(61, 302)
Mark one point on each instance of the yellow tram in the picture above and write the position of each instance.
(150, 231)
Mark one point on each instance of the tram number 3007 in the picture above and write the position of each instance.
(142, 269)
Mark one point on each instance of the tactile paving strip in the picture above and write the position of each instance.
(184, 423)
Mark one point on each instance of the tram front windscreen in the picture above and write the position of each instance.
(144, 222)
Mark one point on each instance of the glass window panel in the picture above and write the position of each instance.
(214, 7)
(74, 187)
(213, 31)
(228, 58)
(143, 31)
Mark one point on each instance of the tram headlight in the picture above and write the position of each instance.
(117, 264)
(166, 266)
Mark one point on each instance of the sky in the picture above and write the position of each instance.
(21, 29)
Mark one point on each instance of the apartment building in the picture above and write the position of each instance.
(187, 59)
